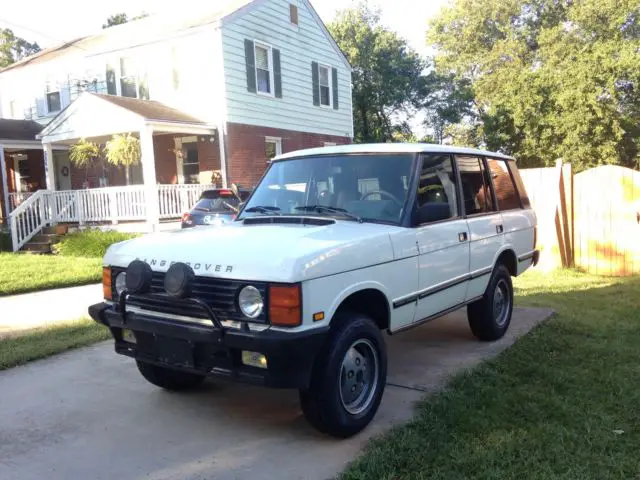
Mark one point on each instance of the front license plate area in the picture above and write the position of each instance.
(173, 351)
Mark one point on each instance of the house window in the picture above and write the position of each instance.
(263, 69)
(325, 85)
(128, 78)
(293, 13)
(190, 162)
(273, 147)
(53, 97)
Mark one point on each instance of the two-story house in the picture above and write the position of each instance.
(222, 90)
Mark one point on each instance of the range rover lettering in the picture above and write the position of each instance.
(335, 247)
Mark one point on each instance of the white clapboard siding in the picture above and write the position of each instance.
(269, 22)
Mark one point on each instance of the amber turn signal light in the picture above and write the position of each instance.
(106, 283)
(285, 307)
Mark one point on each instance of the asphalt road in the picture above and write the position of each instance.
(88, 414)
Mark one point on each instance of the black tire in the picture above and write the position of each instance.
(489, 317)
(167, 378)
(323, 404)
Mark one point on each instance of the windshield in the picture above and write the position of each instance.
(216, 205)
(371, 187)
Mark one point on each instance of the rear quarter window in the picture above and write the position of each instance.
(515, 173)
(503, 185)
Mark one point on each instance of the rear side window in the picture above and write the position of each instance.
(437, 184)
(519, 184)
(476, 191)
(503, 186)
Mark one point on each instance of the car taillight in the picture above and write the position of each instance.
(186, 218)
(225, 193)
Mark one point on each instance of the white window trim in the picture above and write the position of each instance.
(277, 141)
(330, 80)
(181, 161)
(47, 92)
(119, 76)
(257, 43)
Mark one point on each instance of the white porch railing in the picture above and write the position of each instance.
(109, 204)
(16, 198)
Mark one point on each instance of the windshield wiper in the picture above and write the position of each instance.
(266, 210)
(328, 209)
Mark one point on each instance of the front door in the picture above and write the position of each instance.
(443, 243)
(485, 222)
(63, 170)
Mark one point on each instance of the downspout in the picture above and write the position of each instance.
(5, 185)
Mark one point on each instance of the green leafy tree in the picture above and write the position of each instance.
(14, 48)
(83, 154)
(551, 78)
(388, 76)
(120, 18)
(123, 150)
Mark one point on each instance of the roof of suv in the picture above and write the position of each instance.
(388, 148)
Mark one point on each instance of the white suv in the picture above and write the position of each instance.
(334, 246)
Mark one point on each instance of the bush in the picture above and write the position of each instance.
(5, 242)
(89, 243)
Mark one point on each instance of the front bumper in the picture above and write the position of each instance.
(214, 352)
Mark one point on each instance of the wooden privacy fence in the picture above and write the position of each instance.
(590, 220)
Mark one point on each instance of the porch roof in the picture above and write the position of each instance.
(97, 115)
(19, 133)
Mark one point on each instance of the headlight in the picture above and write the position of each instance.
(250, 302)
(121, 283)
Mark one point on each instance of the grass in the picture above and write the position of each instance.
(561, 403)
(89, 243)
(21, 348)
(20, 273)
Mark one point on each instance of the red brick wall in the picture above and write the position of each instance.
(246, 157)
(166, 168)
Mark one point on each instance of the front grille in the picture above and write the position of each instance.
(219, 294)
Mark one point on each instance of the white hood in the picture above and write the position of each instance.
(268, 252)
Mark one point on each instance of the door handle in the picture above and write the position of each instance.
(499, 228)
(462, 236)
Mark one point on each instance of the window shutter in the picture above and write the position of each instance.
(315, 80)
(250, 61)
(41, 106)
(65, 96)
(111, 80)
(277, 75)
(334, 74)
(143, 87)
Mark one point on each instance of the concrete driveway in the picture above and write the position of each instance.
(88, 414)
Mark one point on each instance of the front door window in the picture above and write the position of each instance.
(190, 163)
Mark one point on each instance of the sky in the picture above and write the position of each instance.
(52, 22)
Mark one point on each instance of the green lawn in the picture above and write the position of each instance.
(20, 273)
(564, 402)
(24, 347)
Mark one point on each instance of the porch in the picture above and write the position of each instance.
(179, 158)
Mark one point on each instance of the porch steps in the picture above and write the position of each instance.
(43, 242)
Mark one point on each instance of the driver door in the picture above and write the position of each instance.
(443, 240)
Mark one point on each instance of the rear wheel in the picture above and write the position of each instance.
(348, 378)
(167, 378)
(489, 317)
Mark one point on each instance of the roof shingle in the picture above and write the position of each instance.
(19, 129)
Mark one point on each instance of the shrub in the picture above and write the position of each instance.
(89, 243)
(5, 242)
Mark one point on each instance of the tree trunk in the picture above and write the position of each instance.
(126, 174)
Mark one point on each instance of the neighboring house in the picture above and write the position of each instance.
(222, 90)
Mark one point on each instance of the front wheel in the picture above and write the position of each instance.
(167, 378)
(348, 378)
(489, 317)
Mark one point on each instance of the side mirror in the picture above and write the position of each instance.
(431, 212)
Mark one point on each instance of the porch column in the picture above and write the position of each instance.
(223, 154)
(5, 186)
(149, 178)
(49, 168)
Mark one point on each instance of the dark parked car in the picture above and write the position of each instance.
(215, 207)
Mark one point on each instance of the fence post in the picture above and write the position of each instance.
(79, 207)
(113, 207)
(14, 232)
